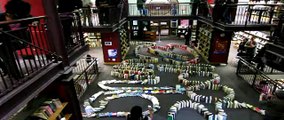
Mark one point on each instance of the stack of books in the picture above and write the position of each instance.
(47, 109)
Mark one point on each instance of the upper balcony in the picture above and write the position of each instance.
(31, 58)
(240, 17)
(228, 17)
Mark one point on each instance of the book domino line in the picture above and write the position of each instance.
(189, 104)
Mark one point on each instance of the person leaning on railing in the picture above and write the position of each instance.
(274, 106)
(15, 9)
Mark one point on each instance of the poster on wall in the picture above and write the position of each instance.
(112, 53)
(220, 47)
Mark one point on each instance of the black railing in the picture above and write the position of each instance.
(244, 14)
(156, 9)
(108, 16)
(254, 77)
(85, 71)
(72, 30)
(24, 51)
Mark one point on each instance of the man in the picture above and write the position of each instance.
(140, 6)
(66, 7)
(87, 4)
(103, 6)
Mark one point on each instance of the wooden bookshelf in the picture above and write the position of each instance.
(68, 116)
(58, 111)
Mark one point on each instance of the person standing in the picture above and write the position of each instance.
(274, 106)
(187, 36)
(250, 47)
(140, 6)
(103, 6)
(87, 13)
(66, 9)
(15, 9)
(136, 114)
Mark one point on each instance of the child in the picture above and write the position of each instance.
(264, 89)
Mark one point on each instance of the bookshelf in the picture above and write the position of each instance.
(193, 31)
(68, 116)
(150, 35)
(94, 40)
(134, 29)
(58, 112)
(204, 43)
(124, 42)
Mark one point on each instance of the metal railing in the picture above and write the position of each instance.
(253, 76)
(72, 30)
(85, 71)
(94, 17)
(178, 9)
(244, 14)
(24, 51)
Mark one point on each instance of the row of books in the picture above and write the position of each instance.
(134, 66)
(142, 43)
(142, 76)
(193, 105)
(168, 54)
(196, 67)
(230, 93)
(47, 109)
(105, 101)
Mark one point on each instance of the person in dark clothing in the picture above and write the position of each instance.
(227, 16)
(69, 5)
(203, 9)
(260, 59)
(18, 8)
(136, 114)
(218, 10)
(15, 9)
(275, 106)
(103, 6)
(65, 8)
(242, 49)
(140, 6)
(250, 48)
(187, 36)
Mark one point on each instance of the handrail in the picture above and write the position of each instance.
(262, 74)
(21, 20)
(24, 41)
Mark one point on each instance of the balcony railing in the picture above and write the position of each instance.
(24, 51)
(94, 17)
(244, 14)
(85, 71)
(156, 9)
(254, 77)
